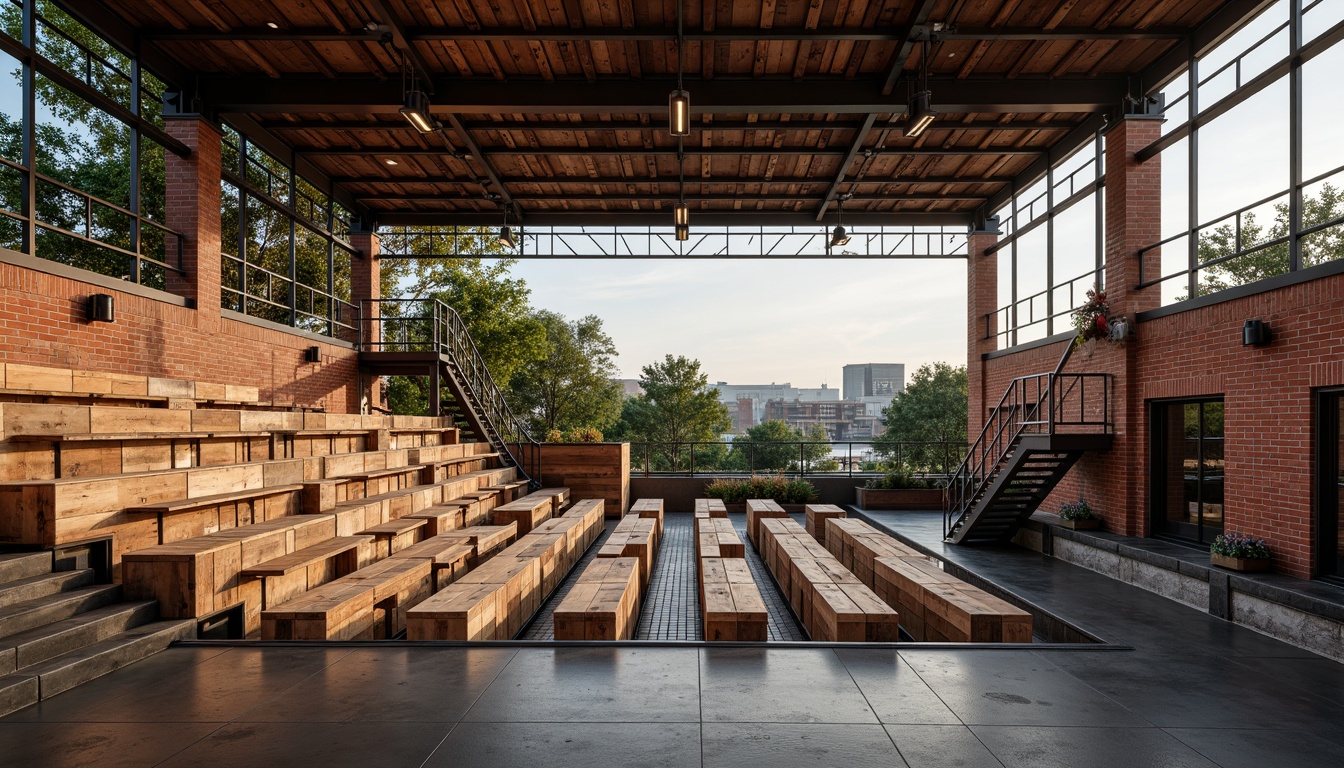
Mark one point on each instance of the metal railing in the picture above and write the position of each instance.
(832, 458)
(428, 325)
(1038, 404)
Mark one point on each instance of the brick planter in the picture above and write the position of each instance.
(1244, 564)
(899, 498)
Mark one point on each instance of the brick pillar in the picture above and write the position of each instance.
(1133, 220)
(982, 286)
(192, 208)
(366, 283)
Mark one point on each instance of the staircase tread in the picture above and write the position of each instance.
(116, 641)
(74, 595)
(56, 580)
(78, 620)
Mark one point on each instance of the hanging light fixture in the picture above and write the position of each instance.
(416, 111)
(839, 237)
(506, 236)
(920, 113)
(679, 101)
(682, 215)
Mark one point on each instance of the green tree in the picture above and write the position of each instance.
(573, 383)
(930, 412)
(774, 446)
(677, 406)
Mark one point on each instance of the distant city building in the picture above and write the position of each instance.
(631, 387)
(838, 417)
(747, 416)
(875, 385)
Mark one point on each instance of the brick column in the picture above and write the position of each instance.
(982, 286)
(192, 208)
(366, 283)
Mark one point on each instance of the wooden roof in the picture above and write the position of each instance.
(560, 106)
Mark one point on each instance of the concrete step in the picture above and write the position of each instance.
(64, 672)
(49, 609)
(32, 587)
(22, 565)
(49, 641)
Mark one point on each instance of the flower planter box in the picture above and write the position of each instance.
(741, 506)
(1244, 564)
(1081, 525)
(899, 498)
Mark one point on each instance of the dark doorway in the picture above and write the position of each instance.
(1330, 482)
(1187, 468)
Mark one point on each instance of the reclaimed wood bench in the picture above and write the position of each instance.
(184, 518)
(711, 507)
(829, 600)
(815, 518)
(634, 537)
(528, 511)
(449, 556)
(395, 535)
(369, 604)
(731, 606)
(758, 510)
(508, 491)
(857, 545)
(936, 606)
(444, 517)
(285, 577)
(649, 508)
(716, 537)
(593, 513)
(441, 469)
(603, 604)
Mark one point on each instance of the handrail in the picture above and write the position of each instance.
(1017, 413)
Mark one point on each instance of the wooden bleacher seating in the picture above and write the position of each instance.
(649, 508)
(816, 516)
(603, 604)
(731, 606)
(185, 518)
(368, 604)
(716, 537)
(528, 511)
(449, 556)
(832, 604)
(635, 537)
(20, 379)
(711, 507)
(395, 535)
(287, 576)
(494, 601)
(758, 510)
(935, 606)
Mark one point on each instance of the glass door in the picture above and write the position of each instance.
(1187, 466)
(1330, 465)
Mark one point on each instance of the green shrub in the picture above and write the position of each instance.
(584, 435)
(899, 478)
(1233, 544)
(1079, 510)
(782, 490)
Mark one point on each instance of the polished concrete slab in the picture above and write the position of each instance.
(1195, 691)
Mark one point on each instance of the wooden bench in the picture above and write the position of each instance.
(593, 512)
(433, 471)
(828, 599)
(634, 537)
(716, 537)
(527, 512)
(396, 535)
(449, 556)
(731, 606)
(508, 491)
(936, 606)
(758, 510)
(603, 604)
(711, 507)
(184, 518)
(201, 576)
(649, 508)
(857, 545)
(369, 604)
(285, 577)
(445, 517)
(816, 517)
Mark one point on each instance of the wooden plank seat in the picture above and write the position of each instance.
(829, 600)
(184, 518)
(449, 556)
(857, 545)
(816, 516)
(370, 603)
(444, 468)
(508, 491)
(201, 576)
(936, 606)
(758, 510)
(529, 510)
(716, 537)
(593, 512)
(559, 495)
(650, 508)
(731, 606)
(711, 507)
(603, 604)
(442, 518)
(396, 535)
(634, 537)
(326, 494)
(285, 577)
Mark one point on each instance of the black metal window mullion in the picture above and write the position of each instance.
(135, 175)
(29, 132)
(1294, 137)
(1192, 182)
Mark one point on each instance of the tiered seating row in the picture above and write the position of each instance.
(22, 379)
(603, 604)
(710, 508)
(816, 517)
(731, 606)
(495, 601)
(758, 510)
(636, 537)
(830, 601)
(934, 605)
(530, 510)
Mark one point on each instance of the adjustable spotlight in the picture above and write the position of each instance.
(839, 237)
(416, 112)
(679, 113)
(506, 238)
(920, 115)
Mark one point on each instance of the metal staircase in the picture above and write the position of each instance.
(1042, 425)
(427, 337)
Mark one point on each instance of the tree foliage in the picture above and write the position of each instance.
(931, 412)
(774, 446)
(677, 406)
(572, 384)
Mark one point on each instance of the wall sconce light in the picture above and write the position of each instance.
(312, 355)
(1255, 333)
(101, 308)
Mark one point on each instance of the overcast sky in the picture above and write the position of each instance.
(755, 321)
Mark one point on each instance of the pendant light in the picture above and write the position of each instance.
(506, 236)
(681, 214)
(920, 113)
(679, 101)
(839, 238)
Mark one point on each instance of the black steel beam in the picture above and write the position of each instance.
(672, 196)
(1212, 31)
(635, 125)
(479, 156)
(1066, 146)
(670, 151)
(660, 219)
(857, 144)
(897, 68)
(717, 96)
(692, 182)
(393, 25)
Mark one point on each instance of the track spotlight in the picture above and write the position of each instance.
(920, 114)
(416, 111)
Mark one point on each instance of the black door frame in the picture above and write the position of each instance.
(1159, 525)
(1327, 492)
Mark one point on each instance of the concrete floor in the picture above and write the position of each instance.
(1196, 691)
